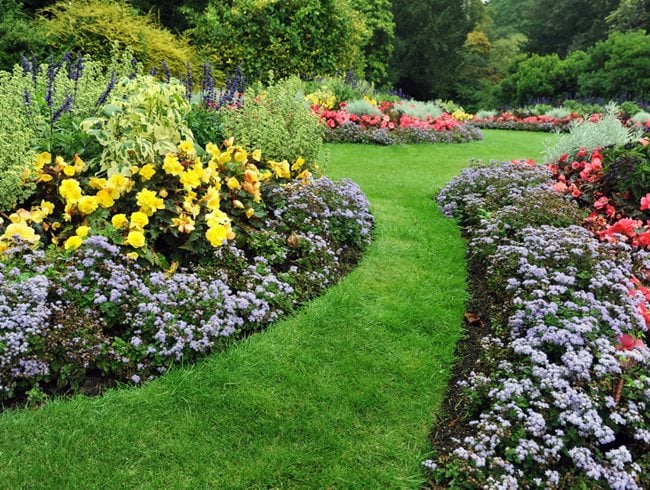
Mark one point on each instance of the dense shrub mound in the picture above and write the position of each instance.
(559, 395)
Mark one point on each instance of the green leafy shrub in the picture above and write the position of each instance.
(558, 113)
(640, 117)
(420, 110)
(361, 107)
(144, 119)
(590, 135)
(618, 66)
(277, 120)
(18, 34)
(96, 26)
(42, 106)
(344, 88)
(286, 37)
(536, 76)
(379, 39)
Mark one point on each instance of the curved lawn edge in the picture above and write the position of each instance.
(342, 394)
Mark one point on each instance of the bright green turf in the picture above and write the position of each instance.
(340, 395)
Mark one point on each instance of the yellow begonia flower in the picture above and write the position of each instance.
(257, 155)
(132, 255)
(38, 216)
(213, 149)
(78, 163)
(119, 220)
(171, 165)
(233, 183)
(149, 201)
(47, 207)
(134, 170)
(56, 225)
(42, 159)
(87, 204)
(135, 239)
(70, 190)
(227, 143)
(44, 178)
(74, 242)
(20, 216)
(138, 220)
(163, 193)
(97, 183)
(69, 170)
(187, 147)
(238, 204)
(281, 169)
(22, 230)
(119, 183)
(147, 171)
(305, 174)
(184, 223)
(241, 156)
(217, 234)
(212, 198)
(250, 212)
(82, 231)
(297, 164)
(105, 197)
(191, 179)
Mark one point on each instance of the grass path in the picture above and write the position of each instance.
(340, 395)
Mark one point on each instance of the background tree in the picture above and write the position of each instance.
(629, 16)
(306, 37)
(379, 43)
(429, 37)
(560, 26)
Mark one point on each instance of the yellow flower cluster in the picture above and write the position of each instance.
(180, 194)
(370, 100)
(461, 115)
(322, 98)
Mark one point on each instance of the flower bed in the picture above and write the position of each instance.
(559, 395)
(508, 120)
(127, 246)
(392, 126)
(95, 315)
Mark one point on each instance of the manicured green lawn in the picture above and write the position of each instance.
(340, 395)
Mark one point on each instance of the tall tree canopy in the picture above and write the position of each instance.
(429, 36)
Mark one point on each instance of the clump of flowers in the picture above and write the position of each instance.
(389, 123)
(180, 203)
(559, 397)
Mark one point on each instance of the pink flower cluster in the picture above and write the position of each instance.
(387, 120)
(511, 121)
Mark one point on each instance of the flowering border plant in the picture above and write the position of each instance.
(559, 396)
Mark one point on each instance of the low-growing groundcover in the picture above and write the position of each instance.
(338, 395)
(559, 395)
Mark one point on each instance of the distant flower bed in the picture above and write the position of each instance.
(508, 120)
(388, 123)
(549, 123)
(559, 397)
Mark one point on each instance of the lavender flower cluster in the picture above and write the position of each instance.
(354, 133)
(134, 322)
(488, 187)
(556, 401)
